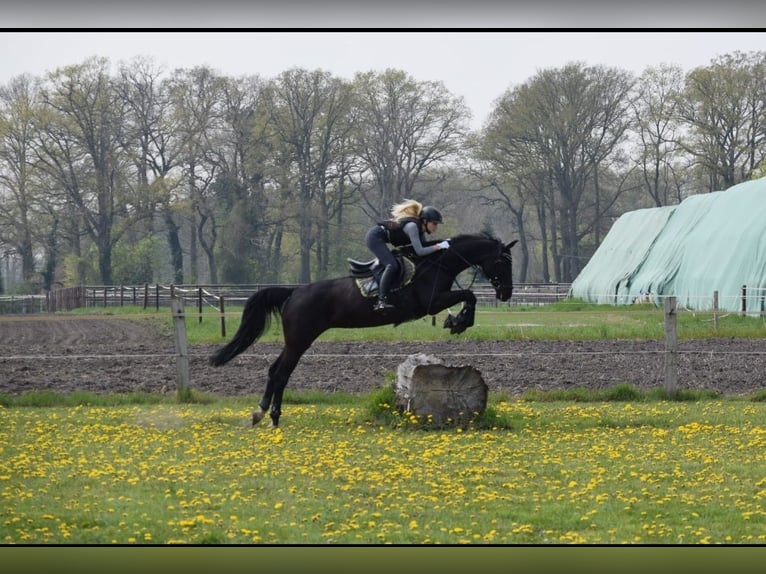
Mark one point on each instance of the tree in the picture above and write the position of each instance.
(658, 131)
(80, 150)
(196, 96)
(725, 110)
(504, 182)
(150, 143)
(306, 113)
(566, 125)
(240, 189)
(19, 193)
(404, 127)
(161, 148)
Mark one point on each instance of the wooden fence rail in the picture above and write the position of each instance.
(23, 304)
(157, 295)
(750, 300)
(182, 356)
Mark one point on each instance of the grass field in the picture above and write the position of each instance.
(617, 468)
(649, 472)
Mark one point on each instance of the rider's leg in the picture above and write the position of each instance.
(376, 240)
(386, 279)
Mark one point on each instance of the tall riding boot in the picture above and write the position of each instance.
(383, 286)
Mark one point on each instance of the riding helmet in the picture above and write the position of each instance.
(430, 213)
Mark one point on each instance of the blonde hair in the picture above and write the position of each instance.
(407, 208)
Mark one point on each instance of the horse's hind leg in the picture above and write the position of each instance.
(259, 414)
(288, 361)
(279, 374)
(265, 402)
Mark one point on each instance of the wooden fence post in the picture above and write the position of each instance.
(671, 347)
(744, 300)
(715, 309)
(199, 304)
(182, 354)
(223, 318)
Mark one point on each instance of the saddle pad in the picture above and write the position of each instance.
(368, 286)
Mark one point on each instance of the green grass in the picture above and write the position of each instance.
(600, 472)
(565, 320)
(607, 466)
(379, 401)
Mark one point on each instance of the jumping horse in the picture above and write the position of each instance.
(309, 310)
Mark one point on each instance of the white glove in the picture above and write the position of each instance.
(443, 244)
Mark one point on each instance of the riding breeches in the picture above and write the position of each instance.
(377, 242)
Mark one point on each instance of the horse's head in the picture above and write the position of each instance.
(499, 269)
(482, 251)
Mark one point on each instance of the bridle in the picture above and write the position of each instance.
(494, 279)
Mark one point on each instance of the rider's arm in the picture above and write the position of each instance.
(412, 231)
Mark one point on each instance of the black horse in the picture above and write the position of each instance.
(309, 310)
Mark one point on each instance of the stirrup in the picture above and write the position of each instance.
(383, 305)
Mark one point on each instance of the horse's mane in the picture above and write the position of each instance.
(473, 237)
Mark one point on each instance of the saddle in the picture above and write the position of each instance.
(367, 274)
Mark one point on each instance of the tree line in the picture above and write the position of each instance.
(190, 176)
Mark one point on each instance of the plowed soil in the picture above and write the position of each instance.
(109, 355)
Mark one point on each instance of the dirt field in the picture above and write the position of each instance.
(119, 355)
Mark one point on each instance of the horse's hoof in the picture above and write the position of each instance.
(257, 416)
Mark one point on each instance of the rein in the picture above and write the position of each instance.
(476, 269)
(495, 281)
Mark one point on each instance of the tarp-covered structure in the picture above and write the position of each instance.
(709, 242)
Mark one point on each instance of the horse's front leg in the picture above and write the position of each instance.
(460, 322)
(465, 318)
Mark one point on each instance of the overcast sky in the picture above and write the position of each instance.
(479, 65)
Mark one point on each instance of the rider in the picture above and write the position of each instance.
(409, 221)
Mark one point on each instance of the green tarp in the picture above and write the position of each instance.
(709, 242)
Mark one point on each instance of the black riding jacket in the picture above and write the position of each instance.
(395, 230)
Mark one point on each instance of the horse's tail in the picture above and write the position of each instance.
(256, 318)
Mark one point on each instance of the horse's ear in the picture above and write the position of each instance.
(511, 244)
